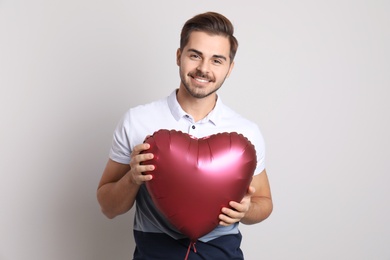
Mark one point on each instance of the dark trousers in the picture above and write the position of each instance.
(158, 246)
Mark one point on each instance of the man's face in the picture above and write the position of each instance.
(204, 64)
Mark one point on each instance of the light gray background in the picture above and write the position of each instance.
(313, 74)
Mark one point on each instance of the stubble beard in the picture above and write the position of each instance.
(192, 91)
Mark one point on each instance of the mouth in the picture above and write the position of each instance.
(200, 78)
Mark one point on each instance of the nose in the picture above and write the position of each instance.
(203, 67)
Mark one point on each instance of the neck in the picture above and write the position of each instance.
(198, 108)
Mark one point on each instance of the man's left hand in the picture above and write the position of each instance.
(237, 211)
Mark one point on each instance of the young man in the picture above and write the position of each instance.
(205, 60)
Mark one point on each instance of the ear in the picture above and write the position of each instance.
(178, 55)
(230, 69)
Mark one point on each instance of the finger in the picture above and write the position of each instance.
(143, 168)
(223, 223)
(241, 207)
(231, 213)
(139, 148)
(226, 220)
(142, 157)
(251, 190)
(143, 178)
(139, 179)
(138, 160)
(237, 206)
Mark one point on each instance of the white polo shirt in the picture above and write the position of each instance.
(166, 113)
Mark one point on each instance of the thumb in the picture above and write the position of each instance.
(251, 190)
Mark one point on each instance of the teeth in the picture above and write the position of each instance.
(201, 80)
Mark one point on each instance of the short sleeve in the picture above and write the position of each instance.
(120, 149)
(260, 152)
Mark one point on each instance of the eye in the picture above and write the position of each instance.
(217, 61)
(194, 56)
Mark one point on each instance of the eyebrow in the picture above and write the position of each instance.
(215, 55)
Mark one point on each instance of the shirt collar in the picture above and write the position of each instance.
(178, 113)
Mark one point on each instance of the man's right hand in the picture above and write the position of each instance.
(136, 168)
(120, 183)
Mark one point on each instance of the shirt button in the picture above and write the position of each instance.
(193, 127)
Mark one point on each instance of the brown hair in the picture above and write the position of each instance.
(212, 23)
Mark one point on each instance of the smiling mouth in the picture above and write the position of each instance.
(201, 80)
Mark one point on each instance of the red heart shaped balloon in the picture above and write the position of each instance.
(194, 178)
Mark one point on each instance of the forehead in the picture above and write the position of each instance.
(208, 44)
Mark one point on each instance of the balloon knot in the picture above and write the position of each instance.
(192, 244)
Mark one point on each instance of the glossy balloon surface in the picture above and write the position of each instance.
(194, 178)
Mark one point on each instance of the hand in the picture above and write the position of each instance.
(137, 169)
(237, 211)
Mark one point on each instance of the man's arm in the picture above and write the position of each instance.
(255, 207)
(120, 183)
